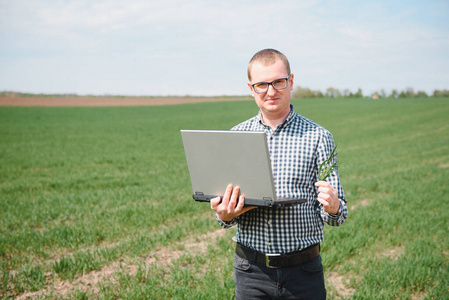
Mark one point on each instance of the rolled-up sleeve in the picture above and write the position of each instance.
(338, 219)
(226, 225)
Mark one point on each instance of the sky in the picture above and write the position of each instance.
(202, 48)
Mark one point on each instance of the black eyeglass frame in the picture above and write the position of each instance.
(271, 83)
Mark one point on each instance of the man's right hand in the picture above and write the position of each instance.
(231, 206)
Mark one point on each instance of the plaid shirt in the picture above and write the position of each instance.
(296, 147)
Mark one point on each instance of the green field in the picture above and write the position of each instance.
(96, 202)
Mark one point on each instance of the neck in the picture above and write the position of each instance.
(274, 120)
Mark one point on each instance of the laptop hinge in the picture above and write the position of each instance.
(199, 196)
(268, 201)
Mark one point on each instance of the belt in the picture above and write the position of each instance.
(278, 260)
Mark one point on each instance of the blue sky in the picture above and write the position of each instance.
(176, 47)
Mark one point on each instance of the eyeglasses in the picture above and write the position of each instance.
(278, 84)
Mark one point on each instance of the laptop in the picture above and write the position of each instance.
(216, 158)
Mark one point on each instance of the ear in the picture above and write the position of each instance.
(291, 81)
(251, 88)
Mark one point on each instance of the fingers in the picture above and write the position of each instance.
(325, 188)
(214, 202)
(241, 208)
(328, 197)
(219, 203)
(324, 192)
(233, 201)
(241, 202)
(323, 184)
(322, 199)
(227, 195)
(231, 205)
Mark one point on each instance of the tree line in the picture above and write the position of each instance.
(331, 92)
(298, 92)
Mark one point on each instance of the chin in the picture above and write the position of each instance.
(273, 107)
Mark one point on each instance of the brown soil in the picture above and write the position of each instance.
(340, 284)
(109, 101)
(362, 203)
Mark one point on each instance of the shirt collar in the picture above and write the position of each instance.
(287, 120)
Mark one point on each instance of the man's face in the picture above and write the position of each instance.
(273, 103)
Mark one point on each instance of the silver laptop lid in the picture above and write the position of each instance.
(218, 158)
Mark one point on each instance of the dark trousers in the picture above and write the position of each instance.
(256, 281)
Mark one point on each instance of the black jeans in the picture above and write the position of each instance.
(256, 281)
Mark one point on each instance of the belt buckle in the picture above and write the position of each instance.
(271, 258)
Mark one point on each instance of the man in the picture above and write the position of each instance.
(277, 251)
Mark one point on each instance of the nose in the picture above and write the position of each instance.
(271, 90)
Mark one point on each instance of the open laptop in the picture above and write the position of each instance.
(216, 158)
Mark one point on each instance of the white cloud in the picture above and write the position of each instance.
(140, 47)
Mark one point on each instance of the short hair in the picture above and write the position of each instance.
(268, 57)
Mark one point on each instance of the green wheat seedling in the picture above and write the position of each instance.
(327, 166)
(82, 188)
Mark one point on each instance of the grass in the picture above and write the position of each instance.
(82, 189)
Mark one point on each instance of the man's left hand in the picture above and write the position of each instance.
(328, 197)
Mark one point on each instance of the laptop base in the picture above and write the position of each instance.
(266, 202)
